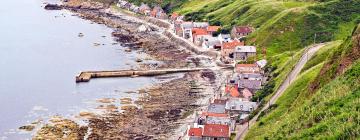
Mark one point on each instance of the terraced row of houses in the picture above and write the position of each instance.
(232, 108)
(232, 46)
(202, 34)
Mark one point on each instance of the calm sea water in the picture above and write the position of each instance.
(40, 54)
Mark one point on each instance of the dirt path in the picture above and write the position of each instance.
(243, 129)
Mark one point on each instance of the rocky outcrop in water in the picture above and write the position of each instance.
(53, 7)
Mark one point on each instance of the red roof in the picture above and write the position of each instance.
(232, 45)
(232, 90)
(199, 31)
(213, 28)
(243, 29)
(174, 15)
(195, 132)
(216, 130)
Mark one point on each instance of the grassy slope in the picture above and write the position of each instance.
(331, 111)
(322, 54)
(284, 28)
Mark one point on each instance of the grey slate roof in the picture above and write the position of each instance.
(216, 108)
(218, 120)
(245, 49)
(200, 24)
(250, 84)
(212, 41)
(187, 25)
(238, 105)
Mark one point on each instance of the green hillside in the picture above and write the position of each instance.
(324, 100)
(284, 28)
(280, 23)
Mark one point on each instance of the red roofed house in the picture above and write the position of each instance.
(212, 29)
(228, 48)
(241, 31)
(247, 68)
(176, 17)
(232, 91)
(195, 133)
(216, 132)
(158, 12)
(198, 35)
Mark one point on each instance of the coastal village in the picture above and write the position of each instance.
(232, 107)
(181, 70)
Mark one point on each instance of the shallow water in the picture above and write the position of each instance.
(40, 54)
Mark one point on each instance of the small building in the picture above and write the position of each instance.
(211, 43)
(194, 133)
(144, 9)
(242, 53)
(216, 132)
(202, 25)
(224, 38)
(156, 12)
(241, 31)
(243, 118)
(213, 29)
(227, 50)
(175, 17)
(127, 6)
(177, 28)
(122, 3)
(198, 35)
(261, 63)
(252, 85)
(134, 8)
(247, 68)
(215, 118)
(236, 106)
(232, 91)
(186, 29)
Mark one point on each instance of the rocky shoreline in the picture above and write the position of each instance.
(135, 35)
(159, 110)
